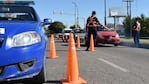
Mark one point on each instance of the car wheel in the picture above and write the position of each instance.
(40, 78)
(115, 44)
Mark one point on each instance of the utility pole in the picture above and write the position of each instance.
(83, 21)
(128, 6)
(105, 19)
(71, 14)
(129, 13)
(63, 13)
(76, 14)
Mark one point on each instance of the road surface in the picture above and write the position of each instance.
(107, 65)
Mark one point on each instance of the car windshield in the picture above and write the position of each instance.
(101, 28)
(67, 31)
(15, 13)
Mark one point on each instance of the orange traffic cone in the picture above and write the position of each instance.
(52, 48)
(63, 38)
(91, 44)
(72, 68)
(78, 42)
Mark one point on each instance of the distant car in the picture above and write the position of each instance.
(106, 36)
(22, 43)
(59, 36)
(81, 33)
(65, 34)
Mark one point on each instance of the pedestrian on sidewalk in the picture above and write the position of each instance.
(136, 32)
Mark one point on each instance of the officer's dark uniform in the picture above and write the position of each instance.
(91, 28)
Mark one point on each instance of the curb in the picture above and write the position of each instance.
(146, 46)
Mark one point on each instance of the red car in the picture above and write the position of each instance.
(107, 36)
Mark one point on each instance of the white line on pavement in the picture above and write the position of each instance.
(113, 65)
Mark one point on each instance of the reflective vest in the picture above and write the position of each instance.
(92, 22)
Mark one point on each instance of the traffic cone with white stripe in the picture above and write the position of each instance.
(72, 67)
(78, 42)
(52, 48)
(91, 48)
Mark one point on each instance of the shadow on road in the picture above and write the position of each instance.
(29, 82)
(54, 82)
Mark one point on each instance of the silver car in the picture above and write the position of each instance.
(81, 33)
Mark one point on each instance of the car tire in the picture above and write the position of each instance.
(40, 78)
(115, 44)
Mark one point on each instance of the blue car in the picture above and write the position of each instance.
(22, 43)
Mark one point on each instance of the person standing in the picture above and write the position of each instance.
(136, 32)
(91, 28)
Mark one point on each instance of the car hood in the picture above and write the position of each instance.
(80, 34)
(107, 33)
(12, 28)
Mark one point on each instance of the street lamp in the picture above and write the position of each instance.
(76, 14)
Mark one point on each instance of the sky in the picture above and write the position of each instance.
(45, 9)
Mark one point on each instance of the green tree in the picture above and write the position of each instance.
(47, 31)
(56, 27)
(144, 25)
(126, 24)
(73, 26)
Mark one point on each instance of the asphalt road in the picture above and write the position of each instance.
(107, 65)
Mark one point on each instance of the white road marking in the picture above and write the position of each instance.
(113, 65)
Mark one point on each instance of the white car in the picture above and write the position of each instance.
(81, 33)
(66, 33)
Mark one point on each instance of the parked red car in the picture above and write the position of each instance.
(107, 36)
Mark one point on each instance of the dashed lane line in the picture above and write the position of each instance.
(113, 65)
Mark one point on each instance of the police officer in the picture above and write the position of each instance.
(91, 27)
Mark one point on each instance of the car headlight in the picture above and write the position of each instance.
(26, 38)
(76, 35)
(117, 36)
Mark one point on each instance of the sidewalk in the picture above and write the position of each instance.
(129, 42)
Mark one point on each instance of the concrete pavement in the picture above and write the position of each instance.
(107, 65)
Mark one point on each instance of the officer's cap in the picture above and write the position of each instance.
(93, 12)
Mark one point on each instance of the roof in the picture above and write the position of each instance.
(17, 2)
